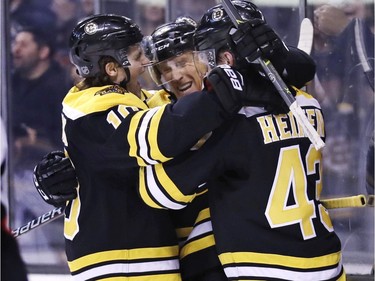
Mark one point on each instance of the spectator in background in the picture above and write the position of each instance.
(38, 84)
(36, 96)
(343, 91)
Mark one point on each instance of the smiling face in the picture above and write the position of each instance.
(181, 74)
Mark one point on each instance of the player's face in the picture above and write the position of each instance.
(138, 61)
(181, 74)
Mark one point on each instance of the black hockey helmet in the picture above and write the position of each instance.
(172, 39)
(102, 35)
(215, 26)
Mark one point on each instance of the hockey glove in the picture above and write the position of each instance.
(254, 39)
(55, 179)
(227, 85)
(234, 90)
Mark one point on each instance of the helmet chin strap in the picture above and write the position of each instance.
(124, 82)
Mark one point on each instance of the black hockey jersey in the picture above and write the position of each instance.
(197, 243)
(264, 179)
(108, 134)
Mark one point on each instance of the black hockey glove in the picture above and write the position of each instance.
(55, 179)
(227, 85)
(234, 90)
(255, 38)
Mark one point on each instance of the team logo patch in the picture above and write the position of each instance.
(91, 28)
(114, 89)
(217, 14)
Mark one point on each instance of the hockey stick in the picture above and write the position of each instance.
(306, 36)
(370, 200)
(345, 202)
(361, 51)
(280, 85)
(41, 220)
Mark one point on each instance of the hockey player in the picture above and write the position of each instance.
(262, 173)
(179, 70)
(108, 132)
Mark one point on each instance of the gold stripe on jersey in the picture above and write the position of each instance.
(126, 254)
(203, 229)
(157, 262)
(170, 188)
(116, 273)
(160, 97)
(281, 260)
(241, 273)
(134, 128)
(248, 264)
(197, 245)
(158, 190)
(145, 95)
(201, 192)
(153, 136)
(183, 232)
(204, 214)
(142, 137)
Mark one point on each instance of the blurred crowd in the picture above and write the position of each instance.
(343, 49)
(341, 34)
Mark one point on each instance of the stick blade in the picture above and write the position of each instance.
(306, 35)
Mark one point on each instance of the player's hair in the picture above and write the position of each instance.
(101, 78)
